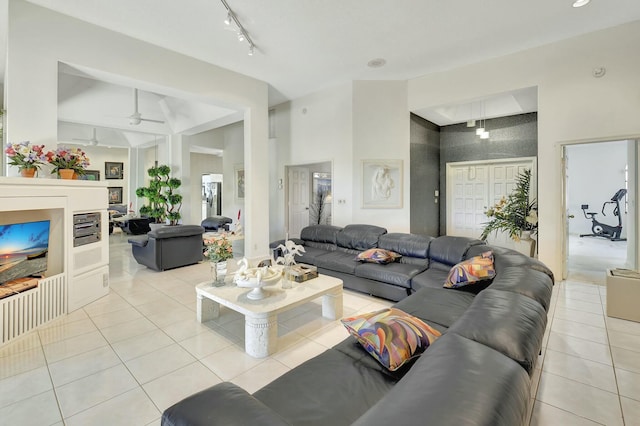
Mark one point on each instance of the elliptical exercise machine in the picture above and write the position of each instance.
(600, 229)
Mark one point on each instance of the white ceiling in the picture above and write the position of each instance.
(305, 46)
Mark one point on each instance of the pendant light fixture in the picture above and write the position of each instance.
(480, 129)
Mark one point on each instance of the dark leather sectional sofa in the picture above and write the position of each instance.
(476, 373)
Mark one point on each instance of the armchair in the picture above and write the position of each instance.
(168, 247)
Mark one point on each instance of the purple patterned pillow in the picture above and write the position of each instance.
(378, 255)
(391, 336)
(478, 268)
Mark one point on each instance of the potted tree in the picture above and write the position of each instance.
(164, 203)
(516, 214)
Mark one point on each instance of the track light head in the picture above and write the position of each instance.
(251, 50)
(479, 131)
(484, 135)
(240, 36)
(227, 20)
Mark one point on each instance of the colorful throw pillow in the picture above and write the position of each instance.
(378, 255)
(391, 336)
(478, 268)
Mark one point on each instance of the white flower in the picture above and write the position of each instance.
(289, 251)
(532, 218)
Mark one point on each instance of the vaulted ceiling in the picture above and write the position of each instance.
(305, 46)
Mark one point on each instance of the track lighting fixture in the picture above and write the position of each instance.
(243, 35)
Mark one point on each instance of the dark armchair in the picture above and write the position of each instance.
(168, 247)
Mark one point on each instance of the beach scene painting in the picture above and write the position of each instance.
(23, 249)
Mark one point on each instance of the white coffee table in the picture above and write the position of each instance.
(261, 316)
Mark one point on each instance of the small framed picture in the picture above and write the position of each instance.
(91, 175)
(113, 170)
(381, 184)
(239, 182)
(115, 194)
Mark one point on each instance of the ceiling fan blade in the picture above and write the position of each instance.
(151, 120)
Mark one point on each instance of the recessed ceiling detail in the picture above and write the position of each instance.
(497, 105)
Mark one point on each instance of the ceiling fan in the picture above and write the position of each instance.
(93, 141)
(136, 118)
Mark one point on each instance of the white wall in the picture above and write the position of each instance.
(596, 171)
(322, 130)
(380, 131)
(39, 38)
(572, 105)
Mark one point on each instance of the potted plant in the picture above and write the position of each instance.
(68, 161)
(26, 157)
(164, 203)
(516, 215)
(219, 250)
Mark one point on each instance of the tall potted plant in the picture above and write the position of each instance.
(164, 203)
(516, 214)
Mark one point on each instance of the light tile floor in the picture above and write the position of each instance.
(126, 357)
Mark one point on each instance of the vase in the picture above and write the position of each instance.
(525, 235)
(287, 280)
(66, 173)
(28, 173)
(218, 272)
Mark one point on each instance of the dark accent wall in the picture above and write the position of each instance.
(424, 176)
(513, 136)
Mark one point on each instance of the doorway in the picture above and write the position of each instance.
(600, 205)
(308, 196)
(211, 195)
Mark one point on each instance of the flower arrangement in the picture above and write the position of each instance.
(218, 249)
(68, 158)
(516, 213)
(25, 156)
(289, 252)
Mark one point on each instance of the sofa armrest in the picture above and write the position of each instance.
(222, 404)
(140, 241)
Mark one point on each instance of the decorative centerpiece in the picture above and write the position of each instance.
(26, 157)
(289, 251)
(516, 215)
(68, 161)
(219, 250)
(256, 278)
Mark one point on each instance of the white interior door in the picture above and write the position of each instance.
(472, 187)
(298, 182)
(469, 200)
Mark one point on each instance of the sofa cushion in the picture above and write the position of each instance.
(391, 336)
(320, 233)
(339, 260)
(505, 257)
(450, 250)
(378, 255)
(529, 282)
(439, 307)
(330, 389)
(225, 404)
(310, 255)
(176, 231)
(413, 248)
(508, 322)
(470, 271)
(433, 277)
(359, 237)
(395, 273)
(456, 382)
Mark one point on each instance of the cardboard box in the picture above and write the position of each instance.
(301, 272)
(623, 294)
